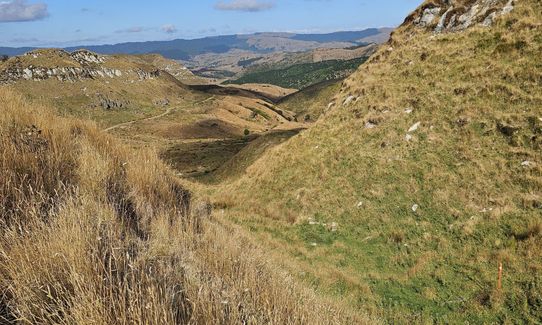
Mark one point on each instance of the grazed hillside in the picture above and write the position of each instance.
(92, 232)
(423, 177)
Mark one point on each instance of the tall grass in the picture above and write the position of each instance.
(91, 232)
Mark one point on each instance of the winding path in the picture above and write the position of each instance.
(168, 111)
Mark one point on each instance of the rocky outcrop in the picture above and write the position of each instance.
(161, 102)
(41, 65)
(14, 74)
(457, 15)
(144, 75)
(87, 57)
(108, 103)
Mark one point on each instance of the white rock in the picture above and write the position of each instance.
(415, 207)
(334, 227)
(408, 110)
(428, 16)
(370, 125)
(27, 73)
(526, 163)
(314, 244)
(508, 8)
(349, 100)
(360, 204)
(440, 25)
(408, 137)
(414, 127)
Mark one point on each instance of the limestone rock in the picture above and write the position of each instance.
(458, 15)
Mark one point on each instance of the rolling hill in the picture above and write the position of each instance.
(150, 101)
(422, 179)
(181, 49)
(409, 192)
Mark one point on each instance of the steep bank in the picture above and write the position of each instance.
(425, 174)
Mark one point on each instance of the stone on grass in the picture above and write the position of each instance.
(414, 127)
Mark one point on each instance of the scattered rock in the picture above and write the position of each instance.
(108, 103)
(414, 127)
(162, 102)
(349, 100)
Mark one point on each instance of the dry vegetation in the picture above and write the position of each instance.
(424, 216)
(91, 232)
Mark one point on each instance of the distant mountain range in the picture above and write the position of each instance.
(182, 49)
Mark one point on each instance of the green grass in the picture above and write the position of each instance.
(477, 204)
(300, 76)
(311, 102)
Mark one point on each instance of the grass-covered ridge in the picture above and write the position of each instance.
(429, 164)
(303, 75)
(310, 103)
(92, 232)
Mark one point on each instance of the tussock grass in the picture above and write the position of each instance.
(91, 232)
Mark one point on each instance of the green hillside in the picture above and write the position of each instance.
(303, 75)
(423, 177)
(310, 103)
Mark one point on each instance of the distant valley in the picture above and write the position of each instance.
(222, 58)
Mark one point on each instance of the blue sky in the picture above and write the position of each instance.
(70, 22)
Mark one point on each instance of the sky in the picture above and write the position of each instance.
(61, 23)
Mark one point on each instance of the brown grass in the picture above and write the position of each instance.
(94, 233)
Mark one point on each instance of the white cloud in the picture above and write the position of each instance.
(135, 29)
(245, 5)
(169, 28)
(20, 10)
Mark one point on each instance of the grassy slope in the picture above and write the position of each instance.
(477, 96)
(310, 103)
(303, 75)
(82, 98)
(91, 232)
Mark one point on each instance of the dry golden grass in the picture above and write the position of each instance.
(92, 233)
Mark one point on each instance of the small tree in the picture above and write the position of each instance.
(247, 132)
